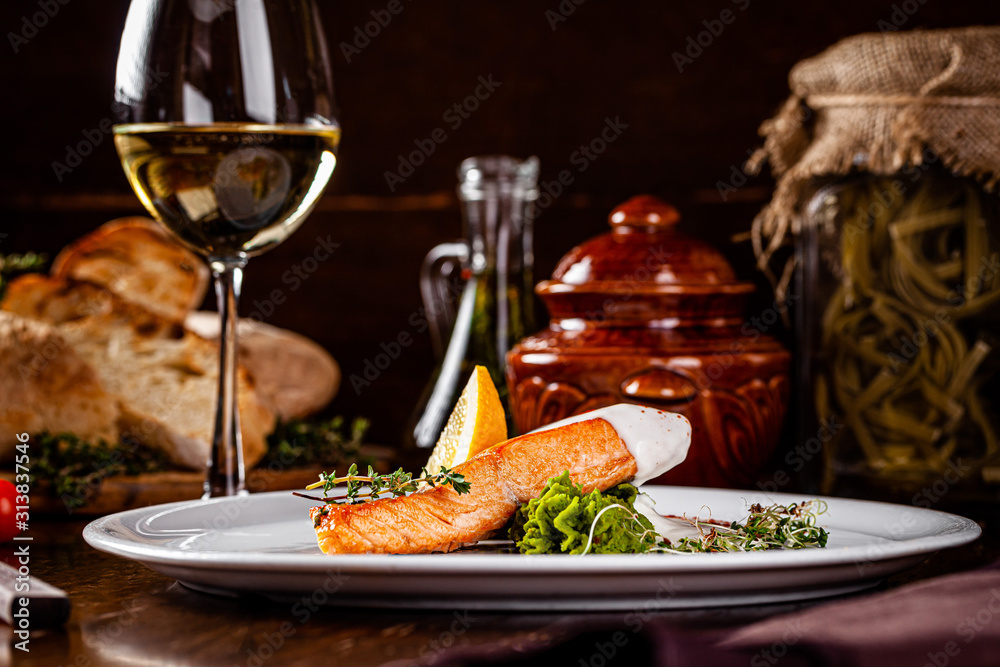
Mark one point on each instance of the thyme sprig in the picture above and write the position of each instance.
(773, 527)
(364, 488)
(74, 468)
(306, 443)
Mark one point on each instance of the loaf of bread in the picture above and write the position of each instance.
(46, 386)
(294, 375)
(164, 377)
(136, 260)
(125, 356)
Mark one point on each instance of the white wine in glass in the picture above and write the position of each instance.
(228, 189)
(229, 146)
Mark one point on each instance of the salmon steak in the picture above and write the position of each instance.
(599, 449)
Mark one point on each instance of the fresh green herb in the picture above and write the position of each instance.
(303, 443)
(73, 469)
(318, 518)
(12, 266)
(563, 519)
(374, 485)
(772, 527)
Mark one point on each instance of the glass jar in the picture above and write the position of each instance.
(898, 326)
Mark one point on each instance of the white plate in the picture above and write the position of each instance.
(264, 544)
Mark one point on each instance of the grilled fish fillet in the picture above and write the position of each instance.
(502, 477)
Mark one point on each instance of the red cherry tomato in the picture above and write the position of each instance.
(8, 526)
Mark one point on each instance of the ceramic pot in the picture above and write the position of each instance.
(646, 314)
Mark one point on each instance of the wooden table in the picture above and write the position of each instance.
(126, 614)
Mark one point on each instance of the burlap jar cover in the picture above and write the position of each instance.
(879, 104)
(876, 102)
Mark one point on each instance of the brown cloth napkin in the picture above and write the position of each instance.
(948, 621)
(951, 620)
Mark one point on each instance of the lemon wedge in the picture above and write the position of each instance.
(477, 423)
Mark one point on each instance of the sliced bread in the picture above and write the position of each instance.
(135, 259)
(164, 376)
(46, 386)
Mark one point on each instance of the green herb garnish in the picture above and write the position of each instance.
(298, 442)
(74, 468)
(563, 519)
(375, 486)
(772, 527)
(12, 266)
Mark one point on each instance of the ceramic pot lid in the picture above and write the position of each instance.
(646, 269)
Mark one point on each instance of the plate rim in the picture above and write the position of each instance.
(961, 531)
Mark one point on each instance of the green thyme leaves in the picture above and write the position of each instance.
(364, 488)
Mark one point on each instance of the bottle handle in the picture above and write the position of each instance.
(438, 268)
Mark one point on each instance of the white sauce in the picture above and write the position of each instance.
(672, 529)
(656, 439)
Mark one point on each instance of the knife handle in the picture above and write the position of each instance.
(28, 603)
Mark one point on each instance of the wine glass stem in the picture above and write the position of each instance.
(226, 475)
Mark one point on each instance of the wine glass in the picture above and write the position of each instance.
(227, 133)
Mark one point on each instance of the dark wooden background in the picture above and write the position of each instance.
(686, 132)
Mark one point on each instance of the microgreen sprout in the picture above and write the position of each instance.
(773, 527)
